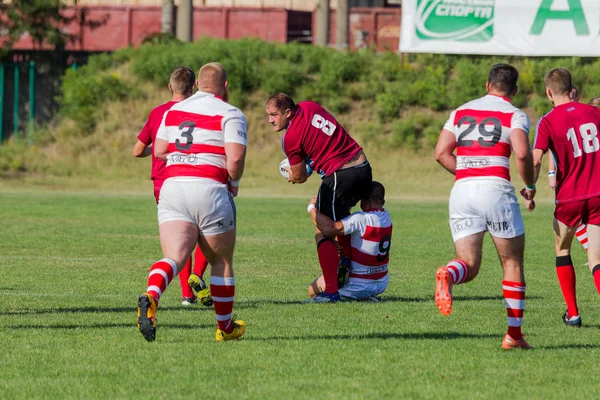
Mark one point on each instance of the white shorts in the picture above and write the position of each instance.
(478, 205)
(360, 289)
(203, 203)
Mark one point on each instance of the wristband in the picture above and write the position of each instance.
(530, 187)
(234, 183)
(310, 208)
(551, 173)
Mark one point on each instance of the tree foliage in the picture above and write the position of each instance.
(44, 21)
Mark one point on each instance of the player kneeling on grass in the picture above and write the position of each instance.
(371, 237)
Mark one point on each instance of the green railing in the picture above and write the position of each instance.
(16, 82)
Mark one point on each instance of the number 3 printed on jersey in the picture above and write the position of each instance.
(589, 139)
(321, 123)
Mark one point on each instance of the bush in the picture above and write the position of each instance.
(85, 91)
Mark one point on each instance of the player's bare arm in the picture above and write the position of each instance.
(538, 155)
(161, 148)
(444, 151)
(551, 172)
(524, 160)
(236, 159)
(298, 173)
(523, 156)
(141, 150)
(326, 225)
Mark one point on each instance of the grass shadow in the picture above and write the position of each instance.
(568, 346)
(104, 326)
(85, 310)
(383, 335)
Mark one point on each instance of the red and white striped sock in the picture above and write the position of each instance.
(514, 300)
(161, 274)
(581, 235)
(223, 292)
(459, 271)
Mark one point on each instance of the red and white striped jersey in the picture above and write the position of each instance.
(197, 129)
(482, 128)
(371, 239)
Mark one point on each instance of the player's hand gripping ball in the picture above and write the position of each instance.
(284, 166)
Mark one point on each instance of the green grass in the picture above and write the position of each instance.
(72, 265)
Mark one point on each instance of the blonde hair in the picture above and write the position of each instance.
(595, 101)
(212, 76)
(558, 80)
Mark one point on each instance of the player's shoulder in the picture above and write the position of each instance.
(159, 111)
(310, 107)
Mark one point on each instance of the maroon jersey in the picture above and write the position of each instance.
(148, 134)
(570, 131)
(313, 135)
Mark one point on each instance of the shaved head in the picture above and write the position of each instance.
(212, 78)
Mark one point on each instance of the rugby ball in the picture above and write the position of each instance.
(286, 164)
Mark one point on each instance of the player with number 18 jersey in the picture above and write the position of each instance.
(570, 131)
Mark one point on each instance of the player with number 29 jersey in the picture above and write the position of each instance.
(482, 128)
(571, 131)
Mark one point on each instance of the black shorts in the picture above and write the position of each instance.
(340, 191)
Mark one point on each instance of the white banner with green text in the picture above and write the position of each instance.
(504, 27)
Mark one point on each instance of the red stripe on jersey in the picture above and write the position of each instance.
(375, 234)
(200, 171)
(368, 259)
(500, 172)
(499, 149)
(198, 148)
(480, 115)
(210, 122)
(373, 277)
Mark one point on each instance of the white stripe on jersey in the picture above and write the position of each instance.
(196, 159)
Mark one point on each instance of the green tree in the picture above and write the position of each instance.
(44, 21)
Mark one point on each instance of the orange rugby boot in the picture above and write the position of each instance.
(509, 343)
(443, 290)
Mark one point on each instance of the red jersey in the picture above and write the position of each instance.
(147, 136)
(314, 135)
(570, 131)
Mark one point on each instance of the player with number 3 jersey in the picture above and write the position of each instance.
(313, 135)
(570, 131)
(484, 133)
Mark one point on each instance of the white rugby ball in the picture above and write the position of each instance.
(286, 164)
(282, 168)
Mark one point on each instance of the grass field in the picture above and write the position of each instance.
(72, 266)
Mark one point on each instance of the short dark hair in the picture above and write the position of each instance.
(377, 192)
(182, 80)
(504, 77)
(559, 81)
(282, 102)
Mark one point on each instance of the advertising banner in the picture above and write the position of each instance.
(503, 27)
